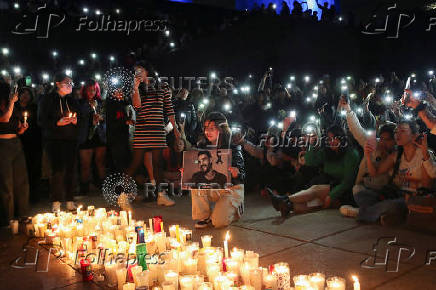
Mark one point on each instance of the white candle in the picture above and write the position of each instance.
(226, 246)
(356, 284)
(270, 282)
(168, 285)
(212, 271)
(172, 276)
(232, 266)
(186, 283)
(336, 283)
(317, 281)
(256, 278)
(129, 286)
(245, 273)
(135, 270)
(79, 208)
(144, 279)
(252, 258)
(150, 222)
(282, 273)
(238, 255)
(110, 270)
(190, 266)
(205, 286)
(130, 218)
(121, 277)
(301, 282)
(206, 241)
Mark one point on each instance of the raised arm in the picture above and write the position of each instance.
(4, 117)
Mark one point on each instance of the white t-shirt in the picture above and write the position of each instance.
(412, 168)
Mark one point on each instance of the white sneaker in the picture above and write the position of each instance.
(71, 205)
(163, 199)
(349, 211)
(56, 206)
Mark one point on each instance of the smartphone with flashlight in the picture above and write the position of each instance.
(182, 117)
(292, 114)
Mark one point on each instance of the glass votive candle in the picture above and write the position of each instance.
(172, 276)
(206, 241)
(336, 283)
(282, 274)
(317, 281)
(121, 277)
(205, 286)
(168, 285)
(270, 282)
(301, 282)
(186, 283)
(252, 258)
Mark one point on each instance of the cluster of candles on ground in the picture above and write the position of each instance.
(135, 255)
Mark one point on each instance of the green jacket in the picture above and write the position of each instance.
(343, 169)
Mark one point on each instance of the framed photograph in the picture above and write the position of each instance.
(206, 168)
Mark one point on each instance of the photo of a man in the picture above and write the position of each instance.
(207, 175)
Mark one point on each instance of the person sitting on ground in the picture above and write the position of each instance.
(229, 202)
(412, 167)
(339, 162)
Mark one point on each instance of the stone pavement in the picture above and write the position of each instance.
(316, 242)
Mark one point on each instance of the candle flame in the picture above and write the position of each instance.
(227, 236)
(355, 279)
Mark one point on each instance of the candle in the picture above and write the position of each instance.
(232, 266)
(157, 224)
(111, 275)
(301, 282)
(317, 281)
(336, 283)
(178, 233)
(246, 287)
(172, 230)
(78, 209)
(135, 270)
(14, 226)
(172, 276)
(130, 218)
(70, 115)
(143, 279)
(282, 273)
(150, 222)
(186, 283)
(212, 271)
(233, 277)
(256, 278)
(356, 284)
(245, 273)
(161, 227)
(129, 286)
(121, 277)
(221, 282)
(168, 285)
(190, 266)
(237, 255)
(270, 282)
(206, 241)
(252, 258)
(205, 286)
(226, 246)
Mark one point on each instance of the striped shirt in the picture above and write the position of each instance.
(149, 128)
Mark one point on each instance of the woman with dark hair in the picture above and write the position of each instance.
(14, 187)
(92, 134)
(339, 163)
(151, 103)
(410, 167)
(229, 202)
(31, 140)
(58, 120)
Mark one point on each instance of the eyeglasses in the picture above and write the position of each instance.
(68, 84)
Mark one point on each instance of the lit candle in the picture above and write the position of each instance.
(161, 227)
(173, 277)
(245, 273)
(270, 282)
(110, 270)
(121, 277)
(256, 278)
(301, 282)
(282, 273)
(336, 283)
(178, 233)
(129, 286)
(172, 230)
(130, 218)
(205, 286)
(150, 222)
(186, 283)
(190, 266)
(317, 281)
(356, 283)
(212, 271)
(252, 258)
(70, 115)
(226, 246)
(206, 241)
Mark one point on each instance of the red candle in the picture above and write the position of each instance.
(85, 266)
(156, 224)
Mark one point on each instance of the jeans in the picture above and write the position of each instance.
(14, 185)
(371, 208)
(62, 156)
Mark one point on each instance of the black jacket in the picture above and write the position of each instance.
(187, 108)
(50, 112)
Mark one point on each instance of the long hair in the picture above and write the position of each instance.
(223, 127)
(338, 132)
(90, 83)
(5, 90)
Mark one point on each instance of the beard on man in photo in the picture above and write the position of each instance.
(207, 177)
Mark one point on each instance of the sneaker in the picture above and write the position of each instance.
(55, 206)
(71, 205)
(164, 200)
(349, 211)
(203, 224)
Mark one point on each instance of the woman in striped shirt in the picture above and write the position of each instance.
(151, 103)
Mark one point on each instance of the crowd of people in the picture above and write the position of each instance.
(355, 145)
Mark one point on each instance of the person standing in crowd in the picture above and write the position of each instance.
(186, 114)
(339, 162)
(14, 186)
(117, 132)
(92, 135)
(151, 104)
(229, 202)
(58, 120)
(31, 140)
